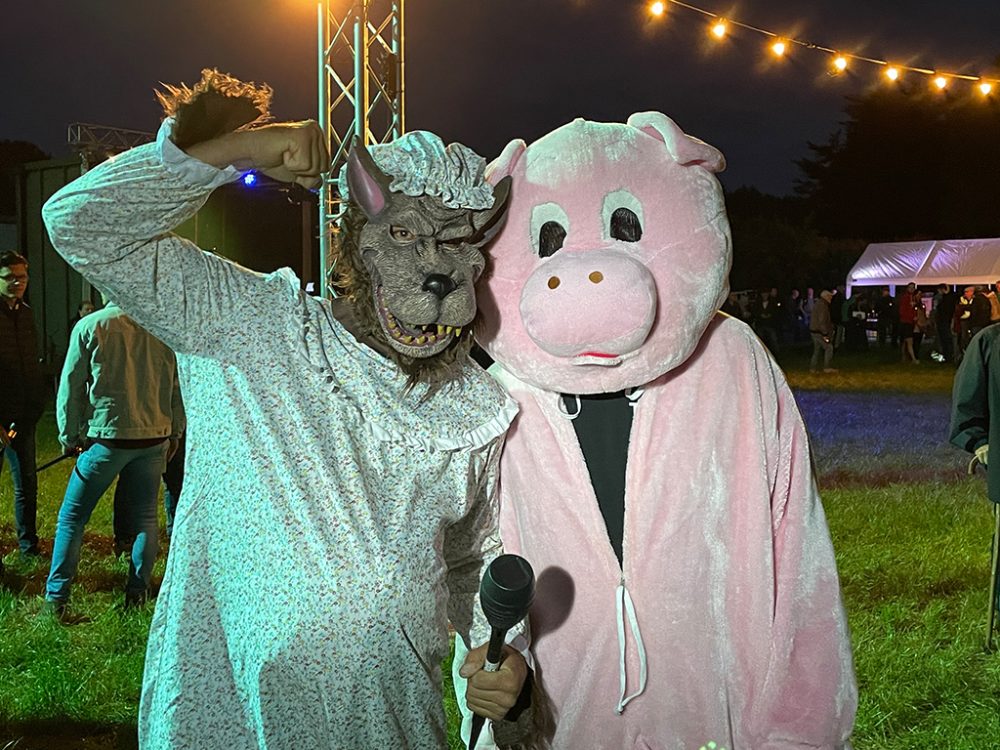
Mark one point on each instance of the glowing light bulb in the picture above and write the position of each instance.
(985, 88)
(840, 63)
(658, 8)
(892, 73)
(779, 47)
(941, 82)
(719, 29)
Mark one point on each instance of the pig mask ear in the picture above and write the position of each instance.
(503, 165)
(686, 151)
(368, 185)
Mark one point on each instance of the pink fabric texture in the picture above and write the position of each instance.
(727, 555)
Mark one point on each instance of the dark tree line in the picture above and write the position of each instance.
(909, 164)
(905, 164)
(776, 244)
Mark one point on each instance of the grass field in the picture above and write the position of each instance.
(911, 531)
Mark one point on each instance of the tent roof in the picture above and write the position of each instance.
(927, 262)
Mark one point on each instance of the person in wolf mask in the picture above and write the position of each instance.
(338, 505)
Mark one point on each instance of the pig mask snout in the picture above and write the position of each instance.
(597, 304)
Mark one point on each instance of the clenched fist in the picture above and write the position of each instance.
(287, 152)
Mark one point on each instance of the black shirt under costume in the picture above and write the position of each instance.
(603, 426)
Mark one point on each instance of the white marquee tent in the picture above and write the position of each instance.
(929, 262)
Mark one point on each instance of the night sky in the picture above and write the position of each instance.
(485, 71)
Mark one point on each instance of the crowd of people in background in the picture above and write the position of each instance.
(871, 317)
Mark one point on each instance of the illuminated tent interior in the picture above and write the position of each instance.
(927, 262)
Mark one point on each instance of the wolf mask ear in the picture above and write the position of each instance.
(368, 185)
(490, 221)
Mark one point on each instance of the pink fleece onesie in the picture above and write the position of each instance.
(724, 623)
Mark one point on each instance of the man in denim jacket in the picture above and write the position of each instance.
(119, 399)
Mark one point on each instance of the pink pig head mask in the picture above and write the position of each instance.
(614, 258)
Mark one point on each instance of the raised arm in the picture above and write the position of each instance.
(114, 226)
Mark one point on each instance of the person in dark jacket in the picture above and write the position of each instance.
(23, 393)
(944, 313)
(821, 329)
(976, 387)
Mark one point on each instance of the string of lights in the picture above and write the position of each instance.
(840, 61)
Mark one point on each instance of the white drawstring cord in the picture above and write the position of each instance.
(634, 394)
(624, 600)
(566, 414)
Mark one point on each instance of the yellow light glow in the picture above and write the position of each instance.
(941, 82)
(840, 63)
(892, 73)
(985, 87)
(658, 8)
(779, 47)
(719, 29)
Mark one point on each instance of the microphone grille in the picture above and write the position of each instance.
(507, 590)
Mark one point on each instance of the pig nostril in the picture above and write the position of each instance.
(597, 277)
(554, 282)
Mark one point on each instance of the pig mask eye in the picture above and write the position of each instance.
(625, 226)
(550, 238)
(549, 228)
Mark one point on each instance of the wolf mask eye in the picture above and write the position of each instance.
(401, 234)
(625, 226)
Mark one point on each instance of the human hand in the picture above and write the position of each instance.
(982, 453)
(72, 449)
(493, 694)
(172, 446)
(287, 152)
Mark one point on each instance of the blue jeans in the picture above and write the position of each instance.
(138, 471)
(173, 482)
(21, 455)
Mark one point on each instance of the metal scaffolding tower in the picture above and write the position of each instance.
(360, 93)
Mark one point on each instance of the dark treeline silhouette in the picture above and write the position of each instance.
(776, 244)
(906, 163)
(909, 163)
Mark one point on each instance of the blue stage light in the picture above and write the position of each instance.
(250, 179)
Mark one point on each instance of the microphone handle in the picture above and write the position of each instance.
(493, 653)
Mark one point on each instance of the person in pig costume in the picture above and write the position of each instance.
(658, 475)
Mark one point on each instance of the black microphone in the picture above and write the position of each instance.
(505, 595)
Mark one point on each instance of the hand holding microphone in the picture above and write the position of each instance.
(496, 672)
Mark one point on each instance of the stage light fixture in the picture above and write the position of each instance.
(892, 73)
(985, 88)
(779, 48)
(250, 179)
(840, 63)
(941, 83)
(658, 8)
(719, 29)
